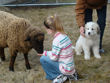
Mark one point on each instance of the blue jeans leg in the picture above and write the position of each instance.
(101, 13)
(50, 67)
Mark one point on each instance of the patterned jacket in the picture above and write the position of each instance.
(62, 52)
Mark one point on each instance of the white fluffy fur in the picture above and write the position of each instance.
(89, 42)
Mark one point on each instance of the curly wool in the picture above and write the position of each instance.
(13, 31)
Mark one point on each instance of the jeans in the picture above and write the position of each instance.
(101, 14)
(50, 67)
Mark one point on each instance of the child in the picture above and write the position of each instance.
(58, 64)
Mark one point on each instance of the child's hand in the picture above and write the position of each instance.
(82, 31)
(39, 54)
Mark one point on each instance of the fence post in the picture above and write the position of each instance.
(56, 1)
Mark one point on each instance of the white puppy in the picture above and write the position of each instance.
(90, 41)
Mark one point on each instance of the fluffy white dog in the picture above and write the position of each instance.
(90, 41)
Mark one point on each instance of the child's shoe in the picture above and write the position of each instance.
(60, 79)
(75, 76)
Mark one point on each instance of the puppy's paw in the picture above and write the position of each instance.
(87, 57)
(98, 56)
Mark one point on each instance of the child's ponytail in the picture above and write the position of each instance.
(53, 22)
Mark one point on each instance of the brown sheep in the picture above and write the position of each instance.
(19, 36)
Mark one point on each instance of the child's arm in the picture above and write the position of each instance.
(54, 54)
(39, 54)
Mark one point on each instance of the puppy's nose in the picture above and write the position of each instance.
(89, 33)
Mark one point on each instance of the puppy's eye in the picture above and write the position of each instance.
(92, 29)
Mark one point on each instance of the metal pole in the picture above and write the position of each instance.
(56, 1)
(50, 4)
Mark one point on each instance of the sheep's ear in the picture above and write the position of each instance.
(28, 38)
(40, 36)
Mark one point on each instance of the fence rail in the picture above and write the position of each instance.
(50, 4)
(37, 3)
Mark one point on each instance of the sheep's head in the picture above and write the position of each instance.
(36, 39)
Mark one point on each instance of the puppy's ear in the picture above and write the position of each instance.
(98, 30)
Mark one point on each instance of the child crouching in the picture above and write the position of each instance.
(58, 63)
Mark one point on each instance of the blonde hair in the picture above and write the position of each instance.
(53, 23)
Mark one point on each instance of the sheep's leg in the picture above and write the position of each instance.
(27, 61)
(12, 61)
(2, 55)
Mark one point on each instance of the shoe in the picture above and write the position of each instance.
(75, 76)
(101, 51)
(60, 79)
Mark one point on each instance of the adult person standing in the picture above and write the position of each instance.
(84, 10)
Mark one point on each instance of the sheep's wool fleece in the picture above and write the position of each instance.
(12, 30)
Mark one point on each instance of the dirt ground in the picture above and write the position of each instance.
(92, 71)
